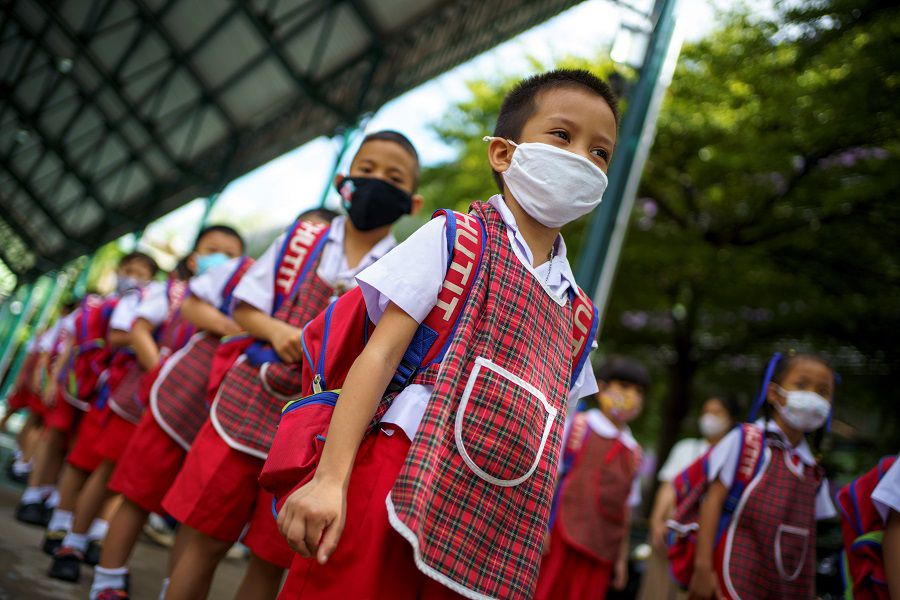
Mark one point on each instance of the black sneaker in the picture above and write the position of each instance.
(92, 554)
(66, 565)
(53, 541)
(20, 477)
(35, 513)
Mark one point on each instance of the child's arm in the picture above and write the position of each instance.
(118, 338)
(53, 370)
(620, 568)
(890, 548)
(207, 317)
(704, 584)
(39, 367)
(145, 348)
(662, 508)
(312, 518)
(284, 338)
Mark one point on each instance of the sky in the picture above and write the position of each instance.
(296, 180)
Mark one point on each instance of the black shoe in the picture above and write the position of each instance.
(35, 513)
(92, 554)
(53, 541)
(66, 565)
(12, 475)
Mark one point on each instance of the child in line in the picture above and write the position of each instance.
(768, 548)
(217, 493)
(135, 272)
(143, 482)
(886, 499)
(449, 494)
(23, 396)
(587, 550)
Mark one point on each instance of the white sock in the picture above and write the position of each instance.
(20, 467)
(165, 586)
(76, 541)
(17, 454)
(61, 520)
(53, 499)
(107, 579)
(32, 495)
(98, 530)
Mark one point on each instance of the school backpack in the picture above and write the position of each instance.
(333, 340)
(691, 486)
(91, 353)
(863, 531)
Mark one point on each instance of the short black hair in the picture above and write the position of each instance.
(182, 272)
(623, 368)
(520, 103)
(730, 402)
(140, 257)
(389, 135)
(325, 214)
(788, 360)
(224, 229)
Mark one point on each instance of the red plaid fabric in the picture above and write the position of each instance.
(244, 412)
(770, 547)
(595, 496)
(124, 386)
(178, 396)
(475, 510)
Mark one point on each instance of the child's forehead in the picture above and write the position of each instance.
(806, 367)
(385, 152)
(577, 105)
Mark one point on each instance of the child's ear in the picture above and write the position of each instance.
(417, 203)
(500, 154)
(192, 263)
(773, 395)
(338, 179)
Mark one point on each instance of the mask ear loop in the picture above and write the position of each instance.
(767, 379)
(837, 382)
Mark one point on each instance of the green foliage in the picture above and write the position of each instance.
(766, 217)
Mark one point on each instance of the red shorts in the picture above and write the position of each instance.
(36, 405)
(83, 454)
(568, 573)
(62, 416)
(263, 537)
(216, 490)
(114, 439)
(145, 482)
(372, 560)
(19, 399)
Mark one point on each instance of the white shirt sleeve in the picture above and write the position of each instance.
(886, 496)
(724, 457)
(410, 275)
(45, 344)
(124, 313)
(258, 283)
(210, 286)
(585, 385)
(824, 505)
(634, 497)
(68, 322)
(682, 455)
(155, 305)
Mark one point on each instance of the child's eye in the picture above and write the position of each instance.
(561, 134)
(601, 153)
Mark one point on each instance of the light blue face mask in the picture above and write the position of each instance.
(208, 261)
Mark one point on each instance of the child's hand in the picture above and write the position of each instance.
(658, 533)
(620, 574)
(286, 342)
(704, 585)
(312, 519)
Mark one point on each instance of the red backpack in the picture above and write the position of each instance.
(91, 353)
(333, 340)
(690, 490)
(863, 531)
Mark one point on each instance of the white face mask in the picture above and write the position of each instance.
(806, 411)
(712, 425)
(126, 284)
(554, 186)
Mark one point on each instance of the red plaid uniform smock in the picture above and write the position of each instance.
(770, 546)
(474, 495)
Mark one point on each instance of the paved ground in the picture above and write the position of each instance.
(23, 565)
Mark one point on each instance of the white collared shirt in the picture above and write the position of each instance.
(602, 426)
(124, 313)
(886, 496)
(155, 304)
(257, 285)
(411, 276)
(723, 459)
(210, 286)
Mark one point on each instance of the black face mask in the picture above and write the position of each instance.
(373, 203)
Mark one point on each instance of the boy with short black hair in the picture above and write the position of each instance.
(451, 489)
(216, 493)
(587, 549)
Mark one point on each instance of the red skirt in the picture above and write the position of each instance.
(568, 573)
(114, 438)
(84, 454)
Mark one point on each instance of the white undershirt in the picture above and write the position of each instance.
(154, 307)
(886, 496)
(411, 276)
(124, 313)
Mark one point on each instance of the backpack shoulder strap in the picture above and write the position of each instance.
(752, 445)
(243, 264)
(301, 247)
(585, 321)
(465, 238)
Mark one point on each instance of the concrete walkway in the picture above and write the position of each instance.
(23, 565)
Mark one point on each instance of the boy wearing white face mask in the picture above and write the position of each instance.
(768, 548)
(450, 493)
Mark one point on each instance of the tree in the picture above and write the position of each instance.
(766, 215)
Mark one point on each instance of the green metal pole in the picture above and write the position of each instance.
(347, 139)
(210, 202)
(9, 344)
(79, 290)
(606, 231)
